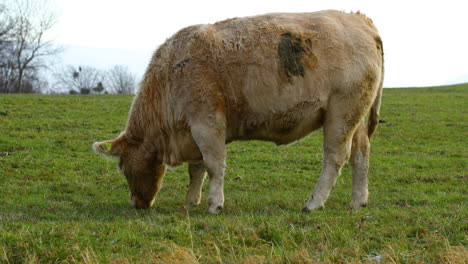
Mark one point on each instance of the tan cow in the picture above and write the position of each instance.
(274, 77)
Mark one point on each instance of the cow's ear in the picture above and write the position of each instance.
(112, 148)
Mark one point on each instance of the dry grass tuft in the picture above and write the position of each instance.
(454, 255)
(174, 254)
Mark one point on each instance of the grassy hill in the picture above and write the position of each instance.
(61, 203)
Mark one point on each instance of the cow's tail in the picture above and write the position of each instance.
(374, 113)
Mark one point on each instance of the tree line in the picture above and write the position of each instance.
(25, 54)
(88, 80)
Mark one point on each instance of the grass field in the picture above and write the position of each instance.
(61, 203)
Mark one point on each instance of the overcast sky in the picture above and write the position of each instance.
(425, 42)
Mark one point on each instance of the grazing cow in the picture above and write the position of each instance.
(274, 77)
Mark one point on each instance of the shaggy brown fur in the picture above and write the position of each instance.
(274, 77)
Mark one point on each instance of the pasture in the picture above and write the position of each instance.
(61, 203)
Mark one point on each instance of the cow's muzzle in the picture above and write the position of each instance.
(140, 203)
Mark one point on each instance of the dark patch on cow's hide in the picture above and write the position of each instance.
(180, 64)
(290, 50)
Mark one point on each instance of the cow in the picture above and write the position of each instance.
(273, 77)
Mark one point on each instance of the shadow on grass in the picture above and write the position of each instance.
(112, 211)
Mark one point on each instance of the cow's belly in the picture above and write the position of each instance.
(281, 128)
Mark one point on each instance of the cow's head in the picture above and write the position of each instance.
(140, 165)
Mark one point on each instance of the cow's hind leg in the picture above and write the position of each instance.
(360, 164)
(338, 133)
(211, 142)
(197, 172)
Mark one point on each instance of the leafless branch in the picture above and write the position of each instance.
(27, 47)
(121, 80)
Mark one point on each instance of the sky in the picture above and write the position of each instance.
(425, 42)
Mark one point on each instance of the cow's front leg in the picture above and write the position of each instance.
(197, 174)
(211, 143)
(216, 195)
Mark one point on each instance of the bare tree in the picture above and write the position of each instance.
(6, 28)
(6, 22)
(82, 79)
(121, 80)
(27, 46)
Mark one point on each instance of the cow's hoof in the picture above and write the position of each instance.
(214, 210)
(310, 208)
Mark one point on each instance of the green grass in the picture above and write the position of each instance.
(61, 203)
